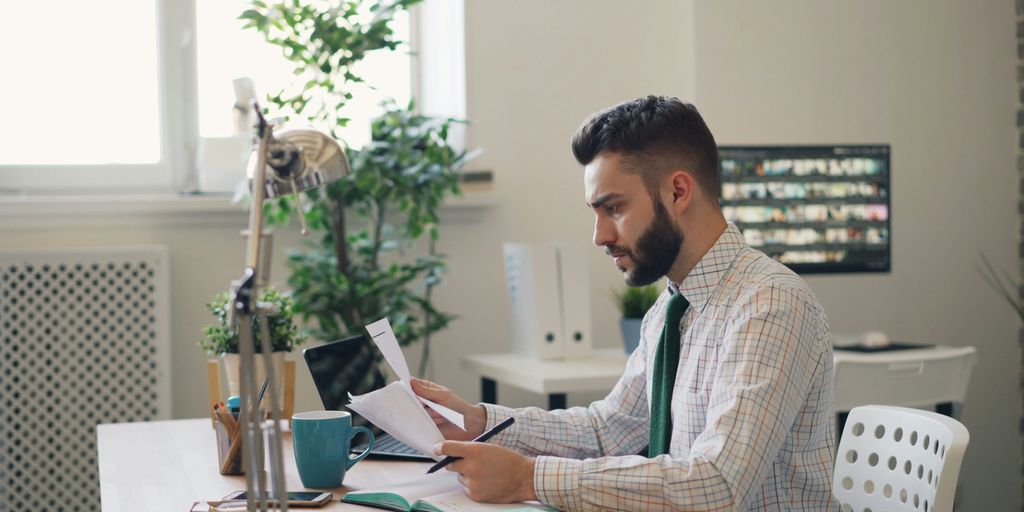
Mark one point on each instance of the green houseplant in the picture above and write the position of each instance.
(1003, 284)
(633, 303)
(376, 230)
(221, 338)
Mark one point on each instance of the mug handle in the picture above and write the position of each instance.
(352, 460)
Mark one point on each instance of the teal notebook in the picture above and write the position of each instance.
(437, 492)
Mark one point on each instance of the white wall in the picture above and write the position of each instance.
(934, 79)
(535, 71)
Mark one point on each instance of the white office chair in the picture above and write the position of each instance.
(933, 378)
(895, 458)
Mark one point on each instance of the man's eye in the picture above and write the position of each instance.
(611, 209)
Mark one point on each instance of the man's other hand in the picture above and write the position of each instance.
(475, 417)
(490, 473)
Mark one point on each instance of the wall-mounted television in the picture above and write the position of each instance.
(814, 208)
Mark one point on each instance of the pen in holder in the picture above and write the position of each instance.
(229, 434)
(229, 441)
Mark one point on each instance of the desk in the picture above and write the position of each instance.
(600, 372)
(930, 377)
(168, 465)
(554, 378)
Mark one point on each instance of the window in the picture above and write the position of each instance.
(111, 96)
(226, 52)
(86, 95)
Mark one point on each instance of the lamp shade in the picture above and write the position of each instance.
(300, 159)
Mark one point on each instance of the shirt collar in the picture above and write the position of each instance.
(698, 285)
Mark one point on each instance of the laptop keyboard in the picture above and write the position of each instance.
(385, 444)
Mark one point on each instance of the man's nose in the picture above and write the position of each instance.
(604, 232)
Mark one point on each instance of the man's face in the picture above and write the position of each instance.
(634, 228)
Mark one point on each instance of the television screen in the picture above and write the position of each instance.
(813, 208)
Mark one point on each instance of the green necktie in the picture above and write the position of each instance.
(666, 360)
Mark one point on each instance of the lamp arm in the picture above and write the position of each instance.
(244, 306)
(266, 134)
(299, 159)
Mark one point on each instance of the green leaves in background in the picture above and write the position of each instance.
(222, 338)
(376, 229)
(324, 40)
(634, 302)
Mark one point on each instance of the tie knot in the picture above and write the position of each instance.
(677, 305)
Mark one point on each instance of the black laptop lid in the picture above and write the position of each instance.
(331, 367)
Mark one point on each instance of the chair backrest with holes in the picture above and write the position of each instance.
(895, 459)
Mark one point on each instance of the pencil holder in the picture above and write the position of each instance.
(229, 444)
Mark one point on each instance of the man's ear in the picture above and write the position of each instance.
(683, 187)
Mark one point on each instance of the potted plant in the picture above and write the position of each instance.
(374, 253)
(221, 339)
(633, 303)
(1003, 284)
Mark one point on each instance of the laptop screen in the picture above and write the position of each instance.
(336, 365)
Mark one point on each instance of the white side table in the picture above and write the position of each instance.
(928, 376)
(554, 378)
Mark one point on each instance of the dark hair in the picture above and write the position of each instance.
(656, 134)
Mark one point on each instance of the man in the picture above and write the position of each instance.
(730, 389)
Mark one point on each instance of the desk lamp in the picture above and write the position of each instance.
(288, 162)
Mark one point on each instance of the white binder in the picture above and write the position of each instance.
(549, 293)
(574, 297)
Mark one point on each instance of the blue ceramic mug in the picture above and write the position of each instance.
(322, 441)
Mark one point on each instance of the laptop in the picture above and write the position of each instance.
(326, 362)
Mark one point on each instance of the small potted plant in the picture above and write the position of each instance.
(634, 302)
(221, 339)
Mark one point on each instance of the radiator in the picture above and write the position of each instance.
(84, 340)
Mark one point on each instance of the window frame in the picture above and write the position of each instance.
(177, 69)
(175, 73)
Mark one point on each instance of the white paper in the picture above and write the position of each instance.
(443, 490)
(385, 340)
(395, 408)
(384, 337)
(441, 482)
(391, 409)
(450, 415)
(457, 501)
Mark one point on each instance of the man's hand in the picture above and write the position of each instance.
(490, 473)
(474, 415)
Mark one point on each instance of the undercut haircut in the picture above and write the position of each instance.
(656, 135)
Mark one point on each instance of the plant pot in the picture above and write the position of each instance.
(630, 333)
(232, 364)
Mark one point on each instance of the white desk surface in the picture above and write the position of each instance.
(898, 356)
(601, 371)
(168, 465)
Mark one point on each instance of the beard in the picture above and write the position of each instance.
(655, 251)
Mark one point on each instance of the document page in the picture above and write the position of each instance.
(395, 408)
(437, 491)
(442, 482)
(457, 501)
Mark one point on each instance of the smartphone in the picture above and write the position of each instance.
(295, 499)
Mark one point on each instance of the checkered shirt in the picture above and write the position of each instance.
(753, 426)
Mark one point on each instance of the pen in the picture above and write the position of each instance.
(481, 438)
(263, 389)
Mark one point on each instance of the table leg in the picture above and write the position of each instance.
(840, 424)
(488, 390)
(556, 401)
(945, 408)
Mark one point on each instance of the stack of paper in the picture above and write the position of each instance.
(395, 408)
(432, 493)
